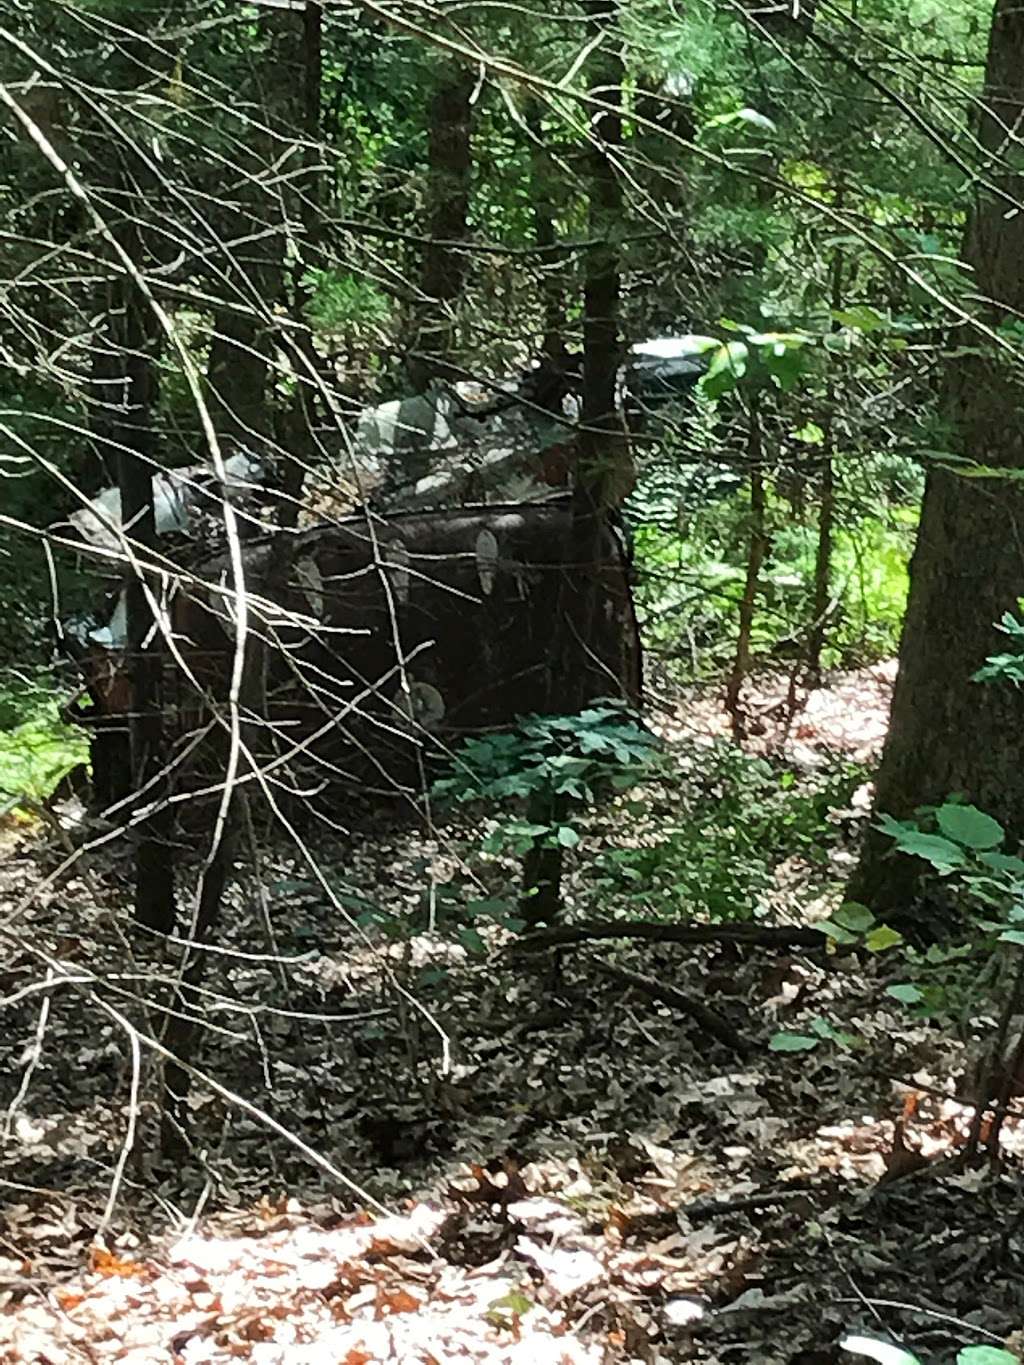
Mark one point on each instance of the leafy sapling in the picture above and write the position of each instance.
(547, 773)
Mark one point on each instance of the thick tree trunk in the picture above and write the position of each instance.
(949, 734)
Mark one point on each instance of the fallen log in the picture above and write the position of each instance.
(701, 1014)
(652, 931)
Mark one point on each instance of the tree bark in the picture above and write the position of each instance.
(756, 553)
(154, 863)
(543, 178)
(297, 423)
(948, 734)
(826, 503)
(603, 473)
(443, 273)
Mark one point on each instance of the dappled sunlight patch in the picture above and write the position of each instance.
(283, 1287)
(848, 716)
(869, 1149)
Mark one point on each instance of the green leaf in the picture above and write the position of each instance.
(727, 368)
(810, 433)
(881, 939)
(472, 942)
(567, 836)
(854, 916)
(906, 993)
(824, 1029)
(943, 854)
(986, 1355)
(793, 1042)
(515, 1301)
(495, 908)
(861, 317)
(1012, 936)
(1003, 862)
(878, 1350)
(969, 826)
(836, 932)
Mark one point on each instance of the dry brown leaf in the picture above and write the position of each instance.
(396, 1300)
(109, 1265)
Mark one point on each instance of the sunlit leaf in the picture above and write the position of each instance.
(906, 993)
(882, 938)
(810, 433)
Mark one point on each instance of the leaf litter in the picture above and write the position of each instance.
(596, 1179)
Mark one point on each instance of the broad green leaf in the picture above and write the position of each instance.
(854, 916)
(906, 993)
(793, 1042)
(882, 938)
(567, 836)
(969, 826)
(1012, 936)
(943, 854)
(986, 1355)
(878, 1350)
(836, 932)
(779, 343)
(1003, 862)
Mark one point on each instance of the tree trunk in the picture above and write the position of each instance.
(822, 565)
(948, 734)
(183, 1025)
(827, 501)
(154, 863)
(449, 170)
(541, 902)
(543, 179)
(756, 553)
(237, 372)
(603, 475)
(298, 422)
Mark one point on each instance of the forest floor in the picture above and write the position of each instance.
(523, 1159)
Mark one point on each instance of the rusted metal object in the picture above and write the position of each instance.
(376, 642)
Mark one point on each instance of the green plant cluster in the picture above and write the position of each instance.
(37, 750)
(740, 817)
(556, 764)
